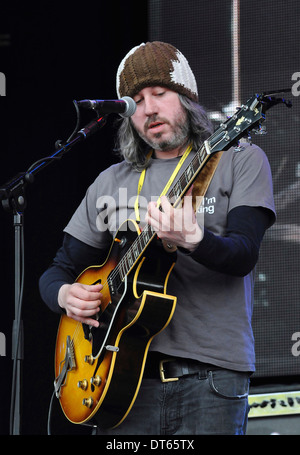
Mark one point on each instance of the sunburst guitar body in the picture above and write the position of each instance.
(99, 370)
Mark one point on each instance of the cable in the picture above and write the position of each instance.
(49, 414)
(58, 144)
(17, 332)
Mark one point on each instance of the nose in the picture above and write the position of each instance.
(150, 106)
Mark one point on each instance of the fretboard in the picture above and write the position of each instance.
(178, 190)
(175, 193)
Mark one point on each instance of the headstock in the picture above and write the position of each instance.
(249, 116)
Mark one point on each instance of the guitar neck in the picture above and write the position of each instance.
(175, 193)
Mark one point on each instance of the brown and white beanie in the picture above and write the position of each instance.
(155, 63)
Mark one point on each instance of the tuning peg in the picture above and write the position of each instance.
(261, 130)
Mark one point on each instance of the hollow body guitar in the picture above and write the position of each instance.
(98, 371)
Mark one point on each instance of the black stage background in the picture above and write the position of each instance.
(51, 54)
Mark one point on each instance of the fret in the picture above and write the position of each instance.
(122, 271)
(202, 154)
(123, 268)
(198, 160)
(147, 233)
(175, 192)
(139, 242)
(130, 259)
(135, 250)
(196, 163)
(189, 172)
(116, 279)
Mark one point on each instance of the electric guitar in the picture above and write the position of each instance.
(98, 371)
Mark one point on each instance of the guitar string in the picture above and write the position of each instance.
(182, 179)
(146, 235)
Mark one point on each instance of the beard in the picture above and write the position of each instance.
(178, 137)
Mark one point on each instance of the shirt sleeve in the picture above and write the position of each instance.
(235, 253)
(71, 259)
(252, 180)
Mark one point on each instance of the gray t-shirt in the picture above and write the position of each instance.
(212, 320)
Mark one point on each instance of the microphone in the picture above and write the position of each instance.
(124, 106)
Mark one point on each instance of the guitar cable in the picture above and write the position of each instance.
(18, 327)
(49, 433)
(49, 414)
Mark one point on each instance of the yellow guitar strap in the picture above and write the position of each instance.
(171, 180)
(203, 180)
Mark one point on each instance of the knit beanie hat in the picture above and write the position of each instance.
(155, 63)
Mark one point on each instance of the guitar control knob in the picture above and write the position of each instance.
(88, 402)
(82, 384)
(89, 359)
(96, 380)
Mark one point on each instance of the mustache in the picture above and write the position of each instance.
(154, 119)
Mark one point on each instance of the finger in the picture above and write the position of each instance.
(153, 214)
(81, 303)
(90, 287)
(94, 287)
(83, 308)
(83, 320)
(152, 208)
(166, 206)
(83, 312)
(85, 292)
(188, 204)
(190, 191)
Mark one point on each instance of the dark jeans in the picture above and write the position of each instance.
(208, 402)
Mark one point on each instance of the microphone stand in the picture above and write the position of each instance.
(12, 196)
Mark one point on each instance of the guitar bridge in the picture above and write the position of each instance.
(69, 363)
